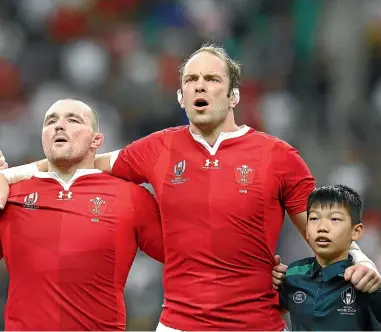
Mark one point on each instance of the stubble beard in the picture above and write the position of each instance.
(61, 158)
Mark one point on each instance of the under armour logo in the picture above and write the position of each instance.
(65, 195)
(209, 162)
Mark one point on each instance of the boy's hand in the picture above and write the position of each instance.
(279, 271)
(363, 277)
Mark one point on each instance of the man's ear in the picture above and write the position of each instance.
(234, 98)
(180, 98)
(97, 140)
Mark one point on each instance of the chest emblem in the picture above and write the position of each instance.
(299, 297)
(348, 296)
(178, 171)
(97, 207)
(30, 201)
(244, 175)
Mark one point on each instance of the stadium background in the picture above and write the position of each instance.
(311, 75)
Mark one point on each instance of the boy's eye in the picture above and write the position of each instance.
(313, 218)
(335, 219)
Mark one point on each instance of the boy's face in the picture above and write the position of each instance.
(330, 232)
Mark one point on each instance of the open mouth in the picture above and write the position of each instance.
(60, 140)
(200, 102)
(322, 240)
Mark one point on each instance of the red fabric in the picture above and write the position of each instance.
(69, 251)
(221, 214)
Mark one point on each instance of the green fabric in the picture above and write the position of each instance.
(319, 299)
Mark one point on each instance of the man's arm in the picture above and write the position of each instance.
(147, 223)
(134, 162)
(105, 161)
(2, 225)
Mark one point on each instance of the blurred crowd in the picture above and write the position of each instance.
(311, 75)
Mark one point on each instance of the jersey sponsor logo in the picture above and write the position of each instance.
(212, 164)
(179, 170)
(97, 207)
(65, 195)
(299, 297)
(244, 175)
(348, 296)
(30, 201)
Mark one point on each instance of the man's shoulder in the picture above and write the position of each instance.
(273, 144)
(265, 137)
(300, 267)
(23, 187)
(124, 186)
(178, 129)
(161, 134)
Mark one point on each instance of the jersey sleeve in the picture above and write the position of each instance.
(2, 225)
(136, 160)
(296, 180)
(148, 224)
(374, 310)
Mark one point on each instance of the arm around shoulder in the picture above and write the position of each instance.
(105, 161)
(148, 223)
(295, 179)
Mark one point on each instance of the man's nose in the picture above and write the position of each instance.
(60, 125)
(200, 85)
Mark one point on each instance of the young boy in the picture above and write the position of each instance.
(314, 291)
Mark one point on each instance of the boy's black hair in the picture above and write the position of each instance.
(339, 194)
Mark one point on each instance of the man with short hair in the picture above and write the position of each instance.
(69, 235)
(222, 192)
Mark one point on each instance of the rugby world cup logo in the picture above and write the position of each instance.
(31, 199)
(179, 168)
(348, 296)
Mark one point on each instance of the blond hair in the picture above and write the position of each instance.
(234, 67)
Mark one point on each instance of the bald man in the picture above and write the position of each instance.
(69, 235)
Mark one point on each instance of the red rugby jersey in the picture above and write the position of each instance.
(69, 248)
(222, 210)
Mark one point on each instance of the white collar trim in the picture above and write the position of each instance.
(66, 185)
(223, 136)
